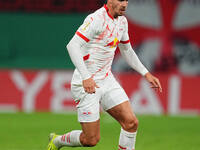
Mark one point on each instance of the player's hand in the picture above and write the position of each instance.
(155, 83)
(89, 85)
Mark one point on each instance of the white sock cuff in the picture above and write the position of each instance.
(128, 134)
(75, 134)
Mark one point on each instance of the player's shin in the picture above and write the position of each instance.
(127, 140)
(71, 139)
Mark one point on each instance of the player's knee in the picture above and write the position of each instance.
(131, 125)
(92, 141)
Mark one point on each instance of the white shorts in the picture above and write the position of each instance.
(108, 95)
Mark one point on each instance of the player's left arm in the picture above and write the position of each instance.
(155, 83)
(132, 59)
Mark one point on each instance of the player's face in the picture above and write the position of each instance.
(119, 7)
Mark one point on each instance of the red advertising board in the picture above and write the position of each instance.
(31, 91)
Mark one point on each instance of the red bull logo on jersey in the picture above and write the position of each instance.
(113, 44)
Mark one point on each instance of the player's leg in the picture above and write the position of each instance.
(124, 115)
(115, 102)
(88, 136)
(70, 139)
(88, 116)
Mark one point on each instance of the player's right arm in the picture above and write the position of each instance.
(74, 50)
(81, 38)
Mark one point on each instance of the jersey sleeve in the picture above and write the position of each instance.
(125, 36)
(88, 29)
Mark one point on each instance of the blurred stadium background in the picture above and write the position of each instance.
(35, 72)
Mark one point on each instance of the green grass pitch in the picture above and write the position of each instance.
(21, 131)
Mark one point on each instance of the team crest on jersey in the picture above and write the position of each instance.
(114, 43)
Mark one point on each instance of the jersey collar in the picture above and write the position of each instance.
(105, 6)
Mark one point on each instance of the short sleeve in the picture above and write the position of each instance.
(88, 29)
(125, 36)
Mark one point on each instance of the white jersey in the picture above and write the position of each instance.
(102, 34)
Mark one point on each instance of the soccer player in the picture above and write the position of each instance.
(92, 51)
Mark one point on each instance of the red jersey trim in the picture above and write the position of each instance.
(125, 42)
(105, 6)
(86, 57)
(82, 36)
